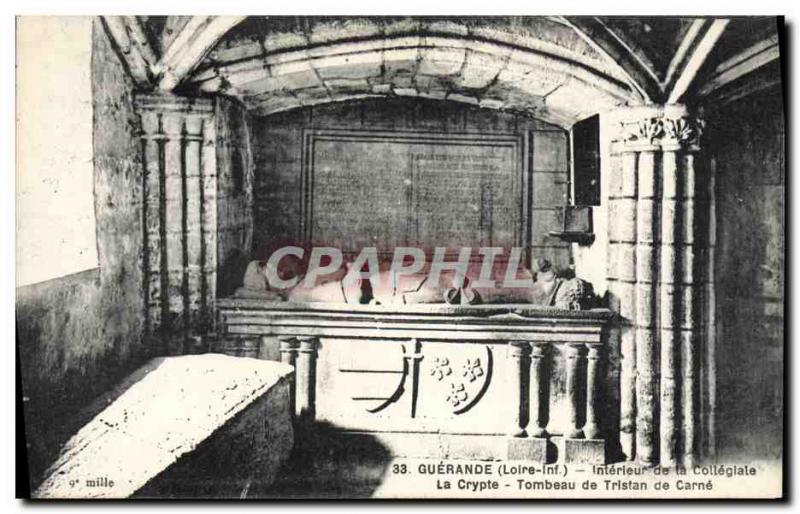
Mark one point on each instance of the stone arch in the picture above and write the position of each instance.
(545, 82)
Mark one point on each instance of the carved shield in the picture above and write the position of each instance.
(454, 378)
(375, 375)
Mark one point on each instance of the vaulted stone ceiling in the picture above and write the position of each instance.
(560, 69)
(309, 61)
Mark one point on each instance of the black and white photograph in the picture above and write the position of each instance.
(302, 257)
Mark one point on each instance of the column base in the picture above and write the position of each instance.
(581, 451)
(527, 448)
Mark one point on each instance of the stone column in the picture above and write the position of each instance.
(646, 349)
(592, 427)
(622, 287)
(174, 216)
(574, 355)
(208, 220)
(195, 300)
(288, 348)
(688, 315)
(670, 308)
(519, 372)
(705, 207)
(154, 251)
(179, 153)
(306, 378)
(540, 388)
(656, 144)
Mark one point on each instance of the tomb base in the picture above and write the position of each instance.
(581, 451)
(533, 449)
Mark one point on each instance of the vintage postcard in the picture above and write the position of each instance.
(528, 257)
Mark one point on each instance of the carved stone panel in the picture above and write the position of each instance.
(388, 189)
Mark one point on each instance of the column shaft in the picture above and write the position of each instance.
(152, 155)
(193, 236)
(623, 233)
(574, 355)
(306, 378)
(208, 213)
(174, 213)
(671, 250)
(646, 344)
(520, 362)
(709, 308)
(540, 390)
(592, 427)
(689, 319)
(288, 348)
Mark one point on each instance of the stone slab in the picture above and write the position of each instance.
(189, 420)
(582, 451)
(532, 449)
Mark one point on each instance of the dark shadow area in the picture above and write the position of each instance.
(551, 451)
(748, 139)
(329, 463)
(22, 479)
(58, 380)
(231, 272)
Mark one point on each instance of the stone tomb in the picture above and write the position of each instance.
(437, 381)
(192, 426)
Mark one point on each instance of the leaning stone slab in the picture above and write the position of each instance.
(188, 426)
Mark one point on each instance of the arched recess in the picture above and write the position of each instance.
(546, 83)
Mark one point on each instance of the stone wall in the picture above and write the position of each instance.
(77, 335)
(277, 142)
(234, 191)
(747, 141)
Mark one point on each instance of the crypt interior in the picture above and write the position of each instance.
(639, 160)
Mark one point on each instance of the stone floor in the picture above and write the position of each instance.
(329, 464)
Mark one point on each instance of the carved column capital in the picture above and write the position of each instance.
(654, 128)
(519, 349)
(288, 344)
(168, 103)
(307, 344)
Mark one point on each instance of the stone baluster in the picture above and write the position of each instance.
(288, 348)
(574, 356)
(519, 373)
(306, 378)
(540, 388)
(592, 427)
(301, 352)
